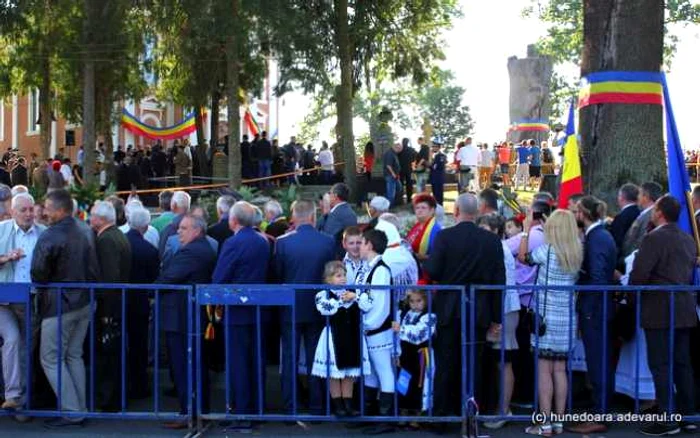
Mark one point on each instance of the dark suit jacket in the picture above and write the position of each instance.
(191, 264)
(622, 222)
(300, 257)
(635, 234)
(220, 231)
(465, 255)
(145, 262)
(277, 227)
(244, 259)
(114, 257)
(666, 257)
(599, 261)
(338, 220)
(169, 230)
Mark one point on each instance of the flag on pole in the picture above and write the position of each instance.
(251, 123)
(571, 181)
(678, 180)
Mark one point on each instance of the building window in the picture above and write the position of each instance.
(33, 116)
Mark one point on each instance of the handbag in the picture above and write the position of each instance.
(537, 323)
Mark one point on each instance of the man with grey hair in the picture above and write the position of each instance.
(377, 207)
(19, 188)
(166, 216)
(277, 224)
(173, 243)
(244, 259)
(180, 206)
(300, 257)
(463, 255)
(220, 231)
(151, 234)
(114, 258)
(18, 238)
(193, 263)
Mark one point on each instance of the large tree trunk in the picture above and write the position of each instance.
(344, 95)
(89, 98)
(232, 100)
(199, 123)
(103, 127)
(45, 107)
(621, 143)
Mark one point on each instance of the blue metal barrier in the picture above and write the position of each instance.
(26, 295)
(262, 296)
(607, 292)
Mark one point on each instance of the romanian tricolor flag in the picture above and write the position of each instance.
(250, 122)
(624, 87)
(529, 125)
(571, 181)
(136, 126)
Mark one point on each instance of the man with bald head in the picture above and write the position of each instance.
(463, 255)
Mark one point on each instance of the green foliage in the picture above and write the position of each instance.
(208, 202)
(248, 193)
(442, 105)
(564, 39)
(286, 197)
(87, 194)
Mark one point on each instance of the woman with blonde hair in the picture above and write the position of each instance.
(559, 261)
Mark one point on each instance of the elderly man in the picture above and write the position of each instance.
(277, 224)
(193, 263)
(173, 243)
(180, 206)
(18, 238)
(63, 254)
(151, 235)
(220, 231)
(463, 255)
(244, 259)
(377, 207)
(166, 216)
(144, 269)
(300, 257)
(114, 257)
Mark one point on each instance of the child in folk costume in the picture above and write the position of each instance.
(416, 327)
(379, 336)
(340, 353)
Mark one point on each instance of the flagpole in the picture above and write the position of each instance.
(693, 223)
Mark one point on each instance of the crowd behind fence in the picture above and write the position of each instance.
(261, 299)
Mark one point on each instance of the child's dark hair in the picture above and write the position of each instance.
(515, 221)
(378, 240)
(332, 268)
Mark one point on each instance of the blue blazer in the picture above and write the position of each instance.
(244, 259)
(599, 261)
(192, 264)
(300, 257)
(338, 220)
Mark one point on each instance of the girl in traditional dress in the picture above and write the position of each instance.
(338, 352)
(415, 327)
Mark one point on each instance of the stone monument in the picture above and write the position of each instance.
(529, 93)
(385, 139)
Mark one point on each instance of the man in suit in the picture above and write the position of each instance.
(300, 257)
(463, 255)
(221, 231)
(180, 206)
(667, 256)
(193, 263)
(18, 237)
(595, 316)
(648, 194)
(145, 264)
(114, 258)
(627, 198)
(244, 259)
(340, 216)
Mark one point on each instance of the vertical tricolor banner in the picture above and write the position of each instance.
(571, 180)
(250, 122)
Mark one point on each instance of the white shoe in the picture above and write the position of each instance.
(497, 424)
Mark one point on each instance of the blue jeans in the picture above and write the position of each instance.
(265, 170)
(391, 184)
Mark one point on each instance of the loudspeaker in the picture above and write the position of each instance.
(70, 137)
(549, 184)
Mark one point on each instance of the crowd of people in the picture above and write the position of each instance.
(404, 341)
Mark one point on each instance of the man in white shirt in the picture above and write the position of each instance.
(468, 157)
(151, 235)
(18, 237)
(485, 165)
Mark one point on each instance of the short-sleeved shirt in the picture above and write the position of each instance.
(486, 158)
(523, 153)
(536, 154)
(504, 155)
(391, 159)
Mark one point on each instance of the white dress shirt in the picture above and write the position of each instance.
(26, 241)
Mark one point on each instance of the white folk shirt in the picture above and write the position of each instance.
(380, 300)
(468, 156)
(26, 241)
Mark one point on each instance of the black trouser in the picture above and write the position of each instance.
(109, 364)
(448, 362)
(523, 365)
(660, 362)
(137, 344)
(408, 186)
(695, 359)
